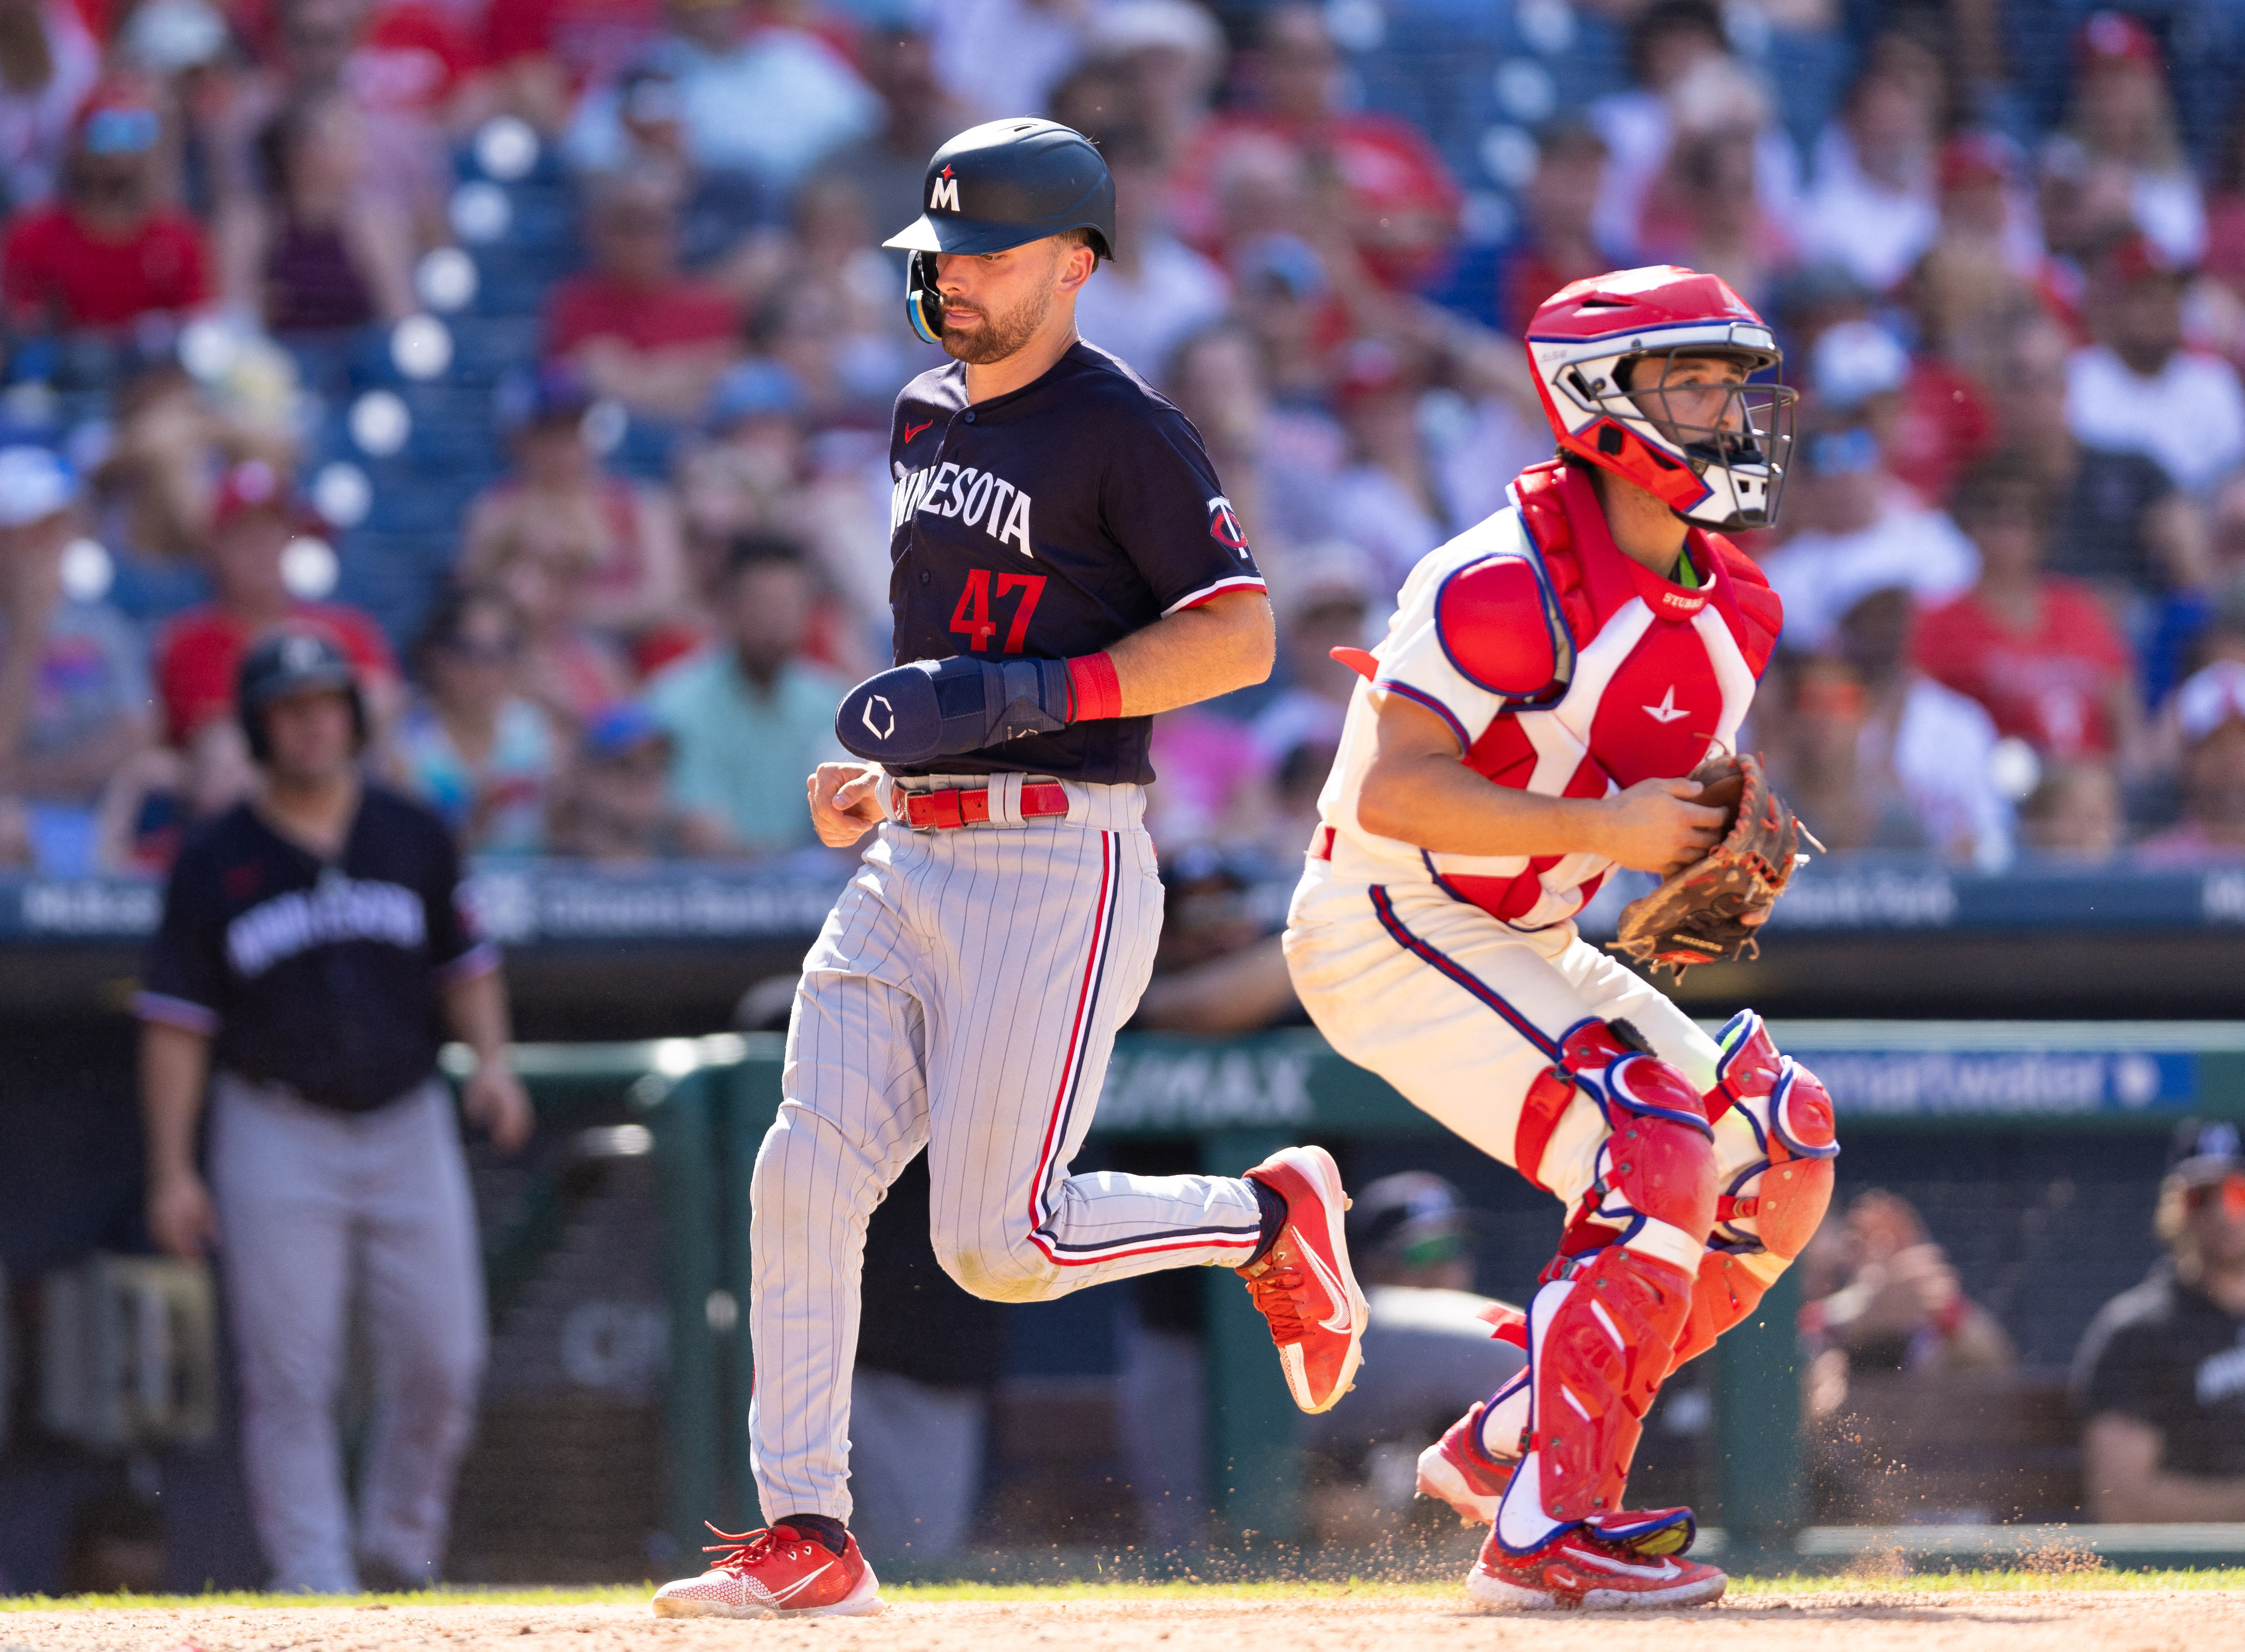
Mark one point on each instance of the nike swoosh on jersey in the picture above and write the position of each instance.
(1338, 1320)
(911, 430)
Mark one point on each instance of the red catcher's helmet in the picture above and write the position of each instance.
(1724, 475)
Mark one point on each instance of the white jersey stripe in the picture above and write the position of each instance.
(1732, 675)
(1237, 582)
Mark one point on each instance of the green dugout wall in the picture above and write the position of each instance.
(708, 1103)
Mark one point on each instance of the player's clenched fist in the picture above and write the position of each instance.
(842, 803)
(1653, 827)
(181, 1219)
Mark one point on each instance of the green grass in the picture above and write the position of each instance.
(599, 1594)
(2214, 1577)
(916, 1593)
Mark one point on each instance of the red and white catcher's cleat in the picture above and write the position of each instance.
(1304, 1285)
(1454, 1470)
(1613, 1563)
(776, 1572)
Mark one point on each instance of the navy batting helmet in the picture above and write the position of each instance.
(997, 186)
(292, 661)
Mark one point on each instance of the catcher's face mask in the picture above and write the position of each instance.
(1702, 403)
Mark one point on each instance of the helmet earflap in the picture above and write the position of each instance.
(923, 303)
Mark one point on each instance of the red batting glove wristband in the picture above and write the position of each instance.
(1094, 691)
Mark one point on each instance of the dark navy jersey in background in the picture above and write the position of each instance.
(323, 977)
(2168, 1354)
(1052, 521)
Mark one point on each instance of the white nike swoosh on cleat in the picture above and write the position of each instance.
(798, 1586)
(1342, 1319)
(1658, 1574)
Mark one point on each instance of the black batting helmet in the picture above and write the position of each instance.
(292, 661)
(997, 186)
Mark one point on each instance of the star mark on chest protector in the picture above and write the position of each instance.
(1667, 711)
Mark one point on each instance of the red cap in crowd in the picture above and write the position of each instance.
(1973, 158)
(251, 486)
(2112, 37)
(1370, 368)
(2137, 257)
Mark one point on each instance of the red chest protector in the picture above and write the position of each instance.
(1642, 701)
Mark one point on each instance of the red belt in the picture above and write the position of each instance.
(1322, 842)
(940, 811)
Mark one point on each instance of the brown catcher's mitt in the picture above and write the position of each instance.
(1695, 917)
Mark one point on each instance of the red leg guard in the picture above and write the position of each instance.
(1605, 1325)
(1725, 1292)
(1785, 1206)
(1665, 1172)
(1599, 1360)
(1774, 1204)
(1651, 1168)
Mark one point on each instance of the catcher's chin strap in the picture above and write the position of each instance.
(1769, 1211)
(1603, 1323)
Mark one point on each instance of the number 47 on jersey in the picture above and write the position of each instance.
(973, 617)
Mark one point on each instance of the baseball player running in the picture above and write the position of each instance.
(1065, 566)
(1550, 675)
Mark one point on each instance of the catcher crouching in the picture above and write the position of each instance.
(1560, 694)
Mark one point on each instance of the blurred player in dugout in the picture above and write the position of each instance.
(2160, 1378)
(315, 949)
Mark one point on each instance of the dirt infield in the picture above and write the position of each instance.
(1841, 1620)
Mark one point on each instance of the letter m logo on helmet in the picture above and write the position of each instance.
(1032, 178)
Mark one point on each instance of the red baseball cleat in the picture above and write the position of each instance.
(1304, 1285)
(1613, 1563)
(1455, 1470)
(776, 1572)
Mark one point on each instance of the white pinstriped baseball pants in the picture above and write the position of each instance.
(963, 996)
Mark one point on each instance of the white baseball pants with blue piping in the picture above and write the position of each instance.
(1461, 1012)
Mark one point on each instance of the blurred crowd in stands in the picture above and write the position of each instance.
(545, 348)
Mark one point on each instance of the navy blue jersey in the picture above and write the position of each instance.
(324, 977)
(1052, 521)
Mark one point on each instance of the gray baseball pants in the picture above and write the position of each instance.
(964, 996)
(314, 1206)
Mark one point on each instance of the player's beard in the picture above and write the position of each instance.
(995, 337)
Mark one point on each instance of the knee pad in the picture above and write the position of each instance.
(1654, 1188)
(1613, 1062)
(1655, 1192)
(1609, 1062)
(1775, 1202)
